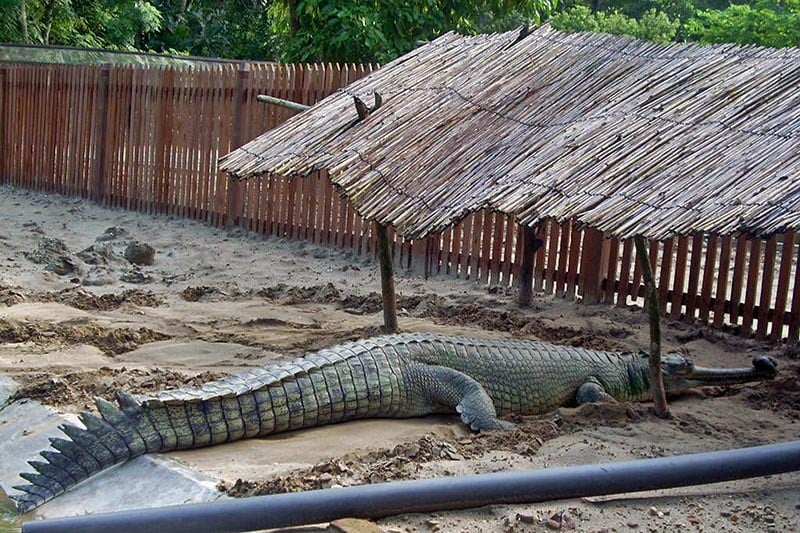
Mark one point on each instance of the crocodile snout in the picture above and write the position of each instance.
(766, 365)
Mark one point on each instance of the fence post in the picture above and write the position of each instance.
(98, 188)
(530, 245)
(387, 278)
(591, 276)
(238, 136)
(3, 121)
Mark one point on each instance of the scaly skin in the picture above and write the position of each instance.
(395, 376)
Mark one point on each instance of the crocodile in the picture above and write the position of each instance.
(392, 376)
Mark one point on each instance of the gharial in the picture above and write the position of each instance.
(397, 376)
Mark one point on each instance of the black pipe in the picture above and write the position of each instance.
(425, 495)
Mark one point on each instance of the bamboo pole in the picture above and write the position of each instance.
(281, 102)
(656, 380)
(387, 278)
(530, 246)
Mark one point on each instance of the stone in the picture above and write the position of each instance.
(140, 253)
(354, 525)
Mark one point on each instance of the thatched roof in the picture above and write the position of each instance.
(626, 136)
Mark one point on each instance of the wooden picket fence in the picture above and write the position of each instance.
(148, 139)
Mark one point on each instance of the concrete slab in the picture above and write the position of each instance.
(7, 387)
(145, 482)
(25, 429)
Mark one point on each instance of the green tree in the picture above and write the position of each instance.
(119, 24)
(350, 30)
(239, 29)
(773, 23)
(653, 26)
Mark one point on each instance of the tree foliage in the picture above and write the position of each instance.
(352, 30)
(373, 30)
(762, 22)
(237, 29)
(653, 26)
(115, 24)
(773, 23)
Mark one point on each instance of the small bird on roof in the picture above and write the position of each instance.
(362, 109)
(523, 32)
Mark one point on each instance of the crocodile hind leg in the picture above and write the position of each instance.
(445, 389)
(592, 392)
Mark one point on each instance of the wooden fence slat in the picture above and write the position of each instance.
(552, 255)
(768, 273)
(694, 276)
(612, 265)
(794, 324)
(485, 257)
(40, 92)
(4, 120)
(664, 275)
(563, 259)
(624, 273)
(189, 207)
(457, 249)
(754, 263)
(782, 294)
(466, 244)
(721, 294)
(738, 278)
(447, 251)
(709, 272)
(680, 277)
(497, 248)
(475, 245)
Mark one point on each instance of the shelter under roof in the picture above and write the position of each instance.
(629, 137)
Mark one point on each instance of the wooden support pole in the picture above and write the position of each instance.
(288, 104)
(530, 245)
(239, 135)
(387, 278)
(100, 178)
(656, 380)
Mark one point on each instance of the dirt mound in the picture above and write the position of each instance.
(511, 321)
(11, 296)
(80, 388)
(287, 295)
(110, 341)
(112, 234)
(373, 303)
(195, 294)
(86, 301)
(781, 395)
(54, 254)
(100, 254)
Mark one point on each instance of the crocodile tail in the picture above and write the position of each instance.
(117, 435)
(220, 411)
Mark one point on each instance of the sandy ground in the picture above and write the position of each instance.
(78, 320)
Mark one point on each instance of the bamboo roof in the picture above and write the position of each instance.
(626, 136)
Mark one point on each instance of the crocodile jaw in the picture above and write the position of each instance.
(681, 374)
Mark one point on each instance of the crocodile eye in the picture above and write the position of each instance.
(676, 364)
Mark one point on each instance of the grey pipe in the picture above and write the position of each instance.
(425, 495)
